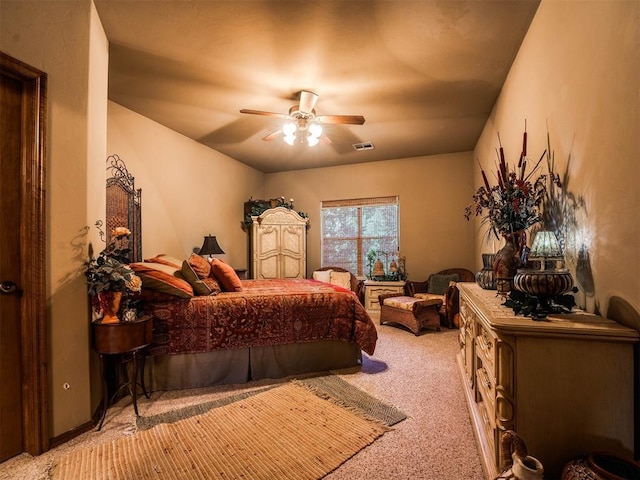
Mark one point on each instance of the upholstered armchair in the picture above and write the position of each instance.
(442, 285)
(354, 284)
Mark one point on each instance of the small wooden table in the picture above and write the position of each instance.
(122, 339)
(242, 273)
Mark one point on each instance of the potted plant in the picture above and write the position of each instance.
(109, 277)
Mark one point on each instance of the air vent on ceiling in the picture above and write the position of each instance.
(363, 146)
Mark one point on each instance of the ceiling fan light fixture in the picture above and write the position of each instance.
(315, 129)
(289, 129)
(302, 122)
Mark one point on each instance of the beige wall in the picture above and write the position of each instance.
(188, 190)
(433, 192)
(577, 72)
(66, 41)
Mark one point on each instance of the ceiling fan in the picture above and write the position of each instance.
(302, 122)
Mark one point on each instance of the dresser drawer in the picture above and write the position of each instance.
(486, 346)
(488, 429)
(486, 386)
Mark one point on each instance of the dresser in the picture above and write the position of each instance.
(374, 288)
(564, 384)
(278, 244)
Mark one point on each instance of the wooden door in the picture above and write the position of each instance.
(10, 344)
(23, 376)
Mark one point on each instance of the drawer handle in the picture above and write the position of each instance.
(486, 380)
(485, 418)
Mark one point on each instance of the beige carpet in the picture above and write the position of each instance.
(286, 432)
(416, 374)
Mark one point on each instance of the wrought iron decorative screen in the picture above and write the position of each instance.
(124, 205)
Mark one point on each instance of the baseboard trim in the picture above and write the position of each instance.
(73, 433)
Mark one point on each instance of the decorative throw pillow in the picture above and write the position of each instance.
(322, 276)
(342, 279)
(200, 266)
(199, 286)
(226, 275)
(162, 278)
(438, 283)
(165, 259)
(213, 284)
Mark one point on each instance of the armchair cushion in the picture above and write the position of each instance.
(438, 283)
(449, 294)
(355, 284)
(322, 275)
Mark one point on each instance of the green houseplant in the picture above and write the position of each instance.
(109, 276)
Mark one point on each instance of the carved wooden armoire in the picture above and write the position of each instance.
(278, 244)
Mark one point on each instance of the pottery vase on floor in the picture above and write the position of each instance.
(516, 463)
(601, 466)
(508, 260)
(485, 277)
(110, 304)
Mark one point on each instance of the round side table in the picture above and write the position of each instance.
(123, 340)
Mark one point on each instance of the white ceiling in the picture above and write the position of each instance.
(424, 74)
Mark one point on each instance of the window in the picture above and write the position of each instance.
(350, 228)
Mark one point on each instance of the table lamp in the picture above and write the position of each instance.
(544, 283)
(210, 247)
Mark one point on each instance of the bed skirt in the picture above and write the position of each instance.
(194, 370)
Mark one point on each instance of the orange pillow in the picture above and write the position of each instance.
(165, 259)
(226, 275)
(162, 278)
(213, 285)
(200, 266)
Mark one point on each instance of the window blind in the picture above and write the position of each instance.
(351, 227)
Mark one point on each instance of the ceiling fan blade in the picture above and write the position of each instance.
(341, 119)
(273, 135)
(307, 101)
(266, 114)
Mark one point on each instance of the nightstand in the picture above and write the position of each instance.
(241, 272)
(124, 341)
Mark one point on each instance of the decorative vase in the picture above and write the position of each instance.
(543, 284)
(110, 304)
(600, 466)
(509, 259)
(485, 277)
(516, 463)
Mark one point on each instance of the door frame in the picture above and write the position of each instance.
(35, 386)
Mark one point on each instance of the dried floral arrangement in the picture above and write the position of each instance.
(514, 203)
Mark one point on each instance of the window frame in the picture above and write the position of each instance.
(390, 200)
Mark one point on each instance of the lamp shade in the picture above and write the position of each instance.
(545, 245)
(210, 246)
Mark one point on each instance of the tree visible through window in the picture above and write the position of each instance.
(350, 228)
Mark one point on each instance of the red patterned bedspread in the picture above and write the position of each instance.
(266, 312)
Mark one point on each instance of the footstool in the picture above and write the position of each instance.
(414, 313)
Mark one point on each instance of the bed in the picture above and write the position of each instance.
(267, 329)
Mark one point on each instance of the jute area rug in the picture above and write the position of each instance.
(299, 430)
